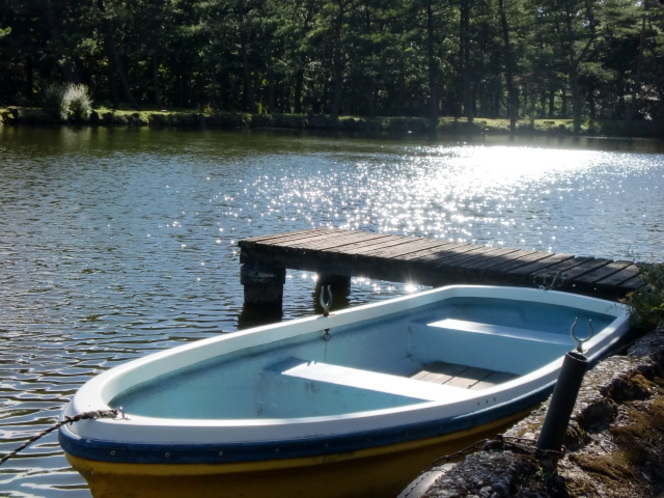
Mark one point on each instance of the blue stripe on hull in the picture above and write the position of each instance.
(110, 451)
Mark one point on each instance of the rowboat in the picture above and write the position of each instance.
(355, 403)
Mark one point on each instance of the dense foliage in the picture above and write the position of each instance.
(647, 303)
(598, 59)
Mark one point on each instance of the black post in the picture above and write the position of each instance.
(563, 401)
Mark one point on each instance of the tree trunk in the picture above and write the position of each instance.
(509, 68)
(112, 83)
(371, 98)
(592, 108)
(212, 92)
(251, 102)
(337, 63)
(155, 82)
(464, 45)
(552, 103)
(119, 67)
(299, 83)
(29, 82)
(114, 55)
(270, 87)
(433, 67)
(632, 107)
(64, 62)
(576, 96)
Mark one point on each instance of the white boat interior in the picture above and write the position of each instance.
(441, 351)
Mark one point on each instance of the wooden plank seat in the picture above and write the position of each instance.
(453, 374)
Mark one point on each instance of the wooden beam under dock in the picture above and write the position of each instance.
(346, 253)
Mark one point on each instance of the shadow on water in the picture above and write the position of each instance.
(255, 316)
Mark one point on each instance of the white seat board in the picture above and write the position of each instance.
(486, 328)
(369, 380)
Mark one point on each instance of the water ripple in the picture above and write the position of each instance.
(118, 243)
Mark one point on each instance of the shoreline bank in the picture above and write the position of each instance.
(30, 116)
(613, 444)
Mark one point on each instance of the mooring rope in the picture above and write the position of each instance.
(114, 413)
(518, 444)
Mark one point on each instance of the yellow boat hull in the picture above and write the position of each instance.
(375, 472)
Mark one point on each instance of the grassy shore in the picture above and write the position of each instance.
(12, 116)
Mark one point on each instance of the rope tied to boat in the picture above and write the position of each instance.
(501, 442)
(550, 280)
(116, 413)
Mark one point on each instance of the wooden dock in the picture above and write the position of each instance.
(341, 254)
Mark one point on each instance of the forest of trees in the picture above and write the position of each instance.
(580, 59)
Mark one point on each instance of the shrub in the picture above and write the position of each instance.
(647, 304)
(63, 102)
(76, 103)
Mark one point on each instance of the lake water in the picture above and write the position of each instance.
(118, 243)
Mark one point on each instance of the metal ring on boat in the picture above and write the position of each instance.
(579, 342)
(325, 303)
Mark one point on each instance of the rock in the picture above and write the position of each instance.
(614, 444)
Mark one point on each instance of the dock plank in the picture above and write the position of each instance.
(329, 235)
(435, 259)
(457, 262)
(632, 284)
(621, 276)
(414, 247)
(338, 241)
(268, 239)
(426, 255)
(573, 274)
(374, 244)
(486, 260)
(384, 250)
(525, 273)
(515, 260)
(561, 268)
(594, 276)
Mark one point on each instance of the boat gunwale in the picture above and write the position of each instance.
(257, 451)
(96, 394)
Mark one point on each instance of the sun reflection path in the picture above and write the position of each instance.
(526, 197)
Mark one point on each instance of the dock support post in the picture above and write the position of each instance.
(263, 285)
